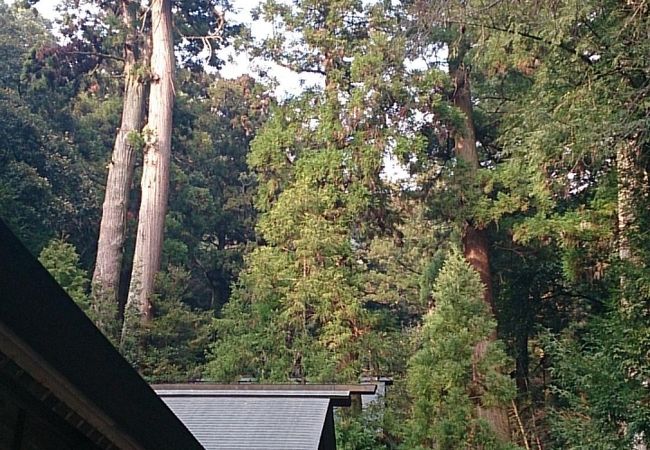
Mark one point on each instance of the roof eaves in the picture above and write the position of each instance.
(46, 332)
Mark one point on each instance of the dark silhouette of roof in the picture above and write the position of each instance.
(77, 373)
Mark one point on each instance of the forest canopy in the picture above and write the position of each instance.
(460, 203)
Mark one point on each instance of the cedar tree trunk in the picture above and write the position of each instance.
(112, 230)
(155, 170)
(632, 181)
(475, 242)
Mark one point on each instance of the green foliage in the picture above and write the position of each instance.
(318, 162)
(44, 186)
(600, 406)
(333, 274)
(171, 347)
(600, 369)
(563, 76)
(21, 30)
(362, 431)
(448, 377)
(62, 261)
(210, 221)
(574, 75)
(96, 119)
(249, 340)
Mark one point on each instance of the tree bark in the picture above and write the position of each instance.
(112, 230)
(155, 171)
(632, 181)
(475, 242)
(632, 186)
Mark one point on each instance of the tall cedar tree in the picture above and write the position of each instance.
(155, 173)
(475, 240)
(299, 310)
(124, 52)
(573, 82)
(435, 27)
(112, 230)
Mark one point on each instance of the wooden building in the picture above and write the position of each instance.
(62, 384)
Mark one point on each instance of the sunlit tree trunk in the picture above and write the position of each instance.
(475, 242)
(155, 170)
(110, 247)
(632, 184)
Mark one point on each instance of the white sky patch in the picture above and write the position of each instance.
(47, 8)
(287, 82)
(238, 63)
(431, 57)
(394, 171)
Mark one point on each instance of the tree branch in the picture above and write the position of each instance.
(99, 55)
(562, 45)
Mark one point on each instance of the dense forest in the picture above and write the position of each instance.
(461, 203)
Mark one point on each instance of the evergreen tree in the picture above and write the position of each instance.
(446, 380)
(108, 41)
(436, 25)
(157, 135)
(62, 261)
(319, 158)
(569, 80)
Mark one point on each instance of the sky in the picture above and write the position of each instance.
(289, 83)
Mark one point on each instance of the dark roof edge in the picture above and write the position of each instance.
(43, 328)
(45, 375)
(336, 398)
(361, 389)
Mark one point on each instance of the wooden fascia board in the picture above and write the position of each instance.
(43, 373)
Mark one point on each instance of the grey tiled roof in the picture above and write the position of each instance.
(252, 419)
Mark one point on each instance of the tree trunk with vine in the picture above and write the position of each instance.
(155, 171)
(112, 231)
